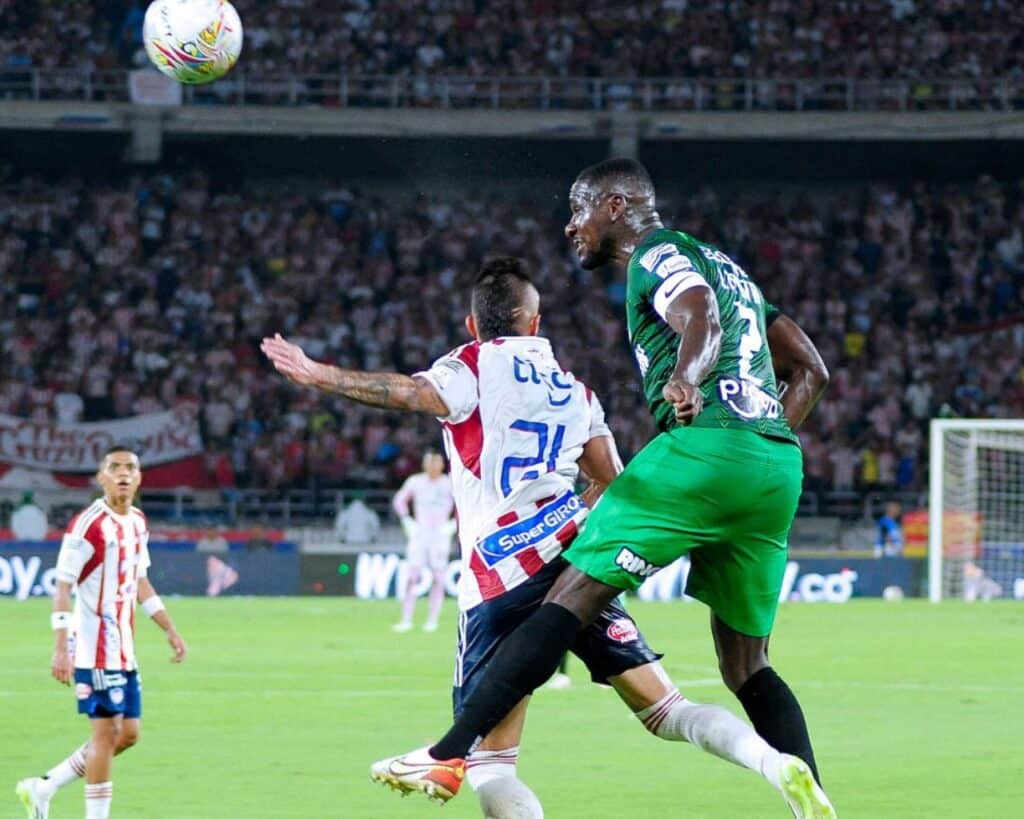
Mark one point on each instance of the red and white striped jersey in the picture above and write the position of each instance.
(516, 426)
(104, 554)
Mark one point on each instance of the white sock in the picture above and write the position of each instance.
(97, 800)
(502, 795)
(713, 729)
(66, 772)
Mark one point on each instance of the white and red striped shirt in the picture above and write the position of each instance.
(516, 426)
(104, 554)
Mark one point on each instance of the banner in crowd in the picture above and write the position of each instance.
(961, 533)
(164, 437)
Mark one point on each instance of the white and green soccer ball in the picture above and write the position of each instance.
(192, 41)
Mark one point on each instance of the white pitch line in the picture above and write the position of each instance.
(709, 682)
(282, 692)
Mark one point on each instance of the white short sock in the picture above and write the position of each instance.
(713, 729)
(97, 800)
(502, 795)
(66, 772)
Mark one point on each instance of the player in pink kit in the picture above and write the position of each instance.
(429, 528)
(104, 553)
(518, 430)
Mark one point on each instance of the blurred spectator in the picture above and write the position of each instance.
(28, 520)
(212, 541)
(357, 523)
(258, 540)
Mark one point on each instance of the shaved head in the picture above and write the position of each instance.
(626, 177)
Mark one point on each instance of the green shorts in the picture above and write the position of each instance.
(724, 497)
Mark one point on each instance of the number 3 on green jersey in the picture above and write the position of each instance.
(740, 392)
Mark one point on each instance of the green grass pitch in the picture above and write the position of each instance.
(916, 711)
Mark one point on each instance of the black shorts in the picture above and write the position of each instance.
(611, 645)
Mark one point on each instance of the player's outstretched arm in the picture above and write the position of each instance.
(694, 315)
(797, 362)
(152, 605)
(600, 462)
(383, 390)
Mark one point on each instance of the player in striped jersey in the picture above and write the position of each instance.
(518, 430)
(104, 554)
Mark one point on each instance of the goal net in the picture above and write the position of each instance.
(976, 510)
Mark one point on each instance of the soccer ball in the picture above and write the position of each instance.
(192, 41)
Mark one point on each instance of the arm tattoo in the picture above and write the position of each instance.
(385, 390)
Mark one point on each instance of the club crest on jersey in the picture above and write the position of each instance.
(634, 564)
(83, 691)
(116, 695)
(623, 630)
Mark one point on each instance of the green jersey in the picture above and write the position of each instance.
(740, 392)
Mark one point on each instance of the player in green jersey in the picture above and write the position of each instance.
(720, 483)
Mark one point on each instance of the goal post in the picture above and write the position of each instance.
(976, 509)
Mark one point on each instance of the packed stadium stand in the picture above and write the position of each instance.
(913, 296)
(704, 53)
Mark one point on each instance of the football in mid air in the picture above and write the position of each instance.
(193, 41)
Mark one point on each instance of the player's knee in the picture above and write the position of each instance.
(105, 736)
(128, 737)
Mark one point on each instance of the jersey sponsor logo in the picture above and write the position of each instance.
(748, 400)
(531, 531)
(83, 691)
(634, 564)
(623, 630)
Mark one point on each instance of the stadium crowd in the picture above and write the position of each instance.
(126, 299)
(978, 41)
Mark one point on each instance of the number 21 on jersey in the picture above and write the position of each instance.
(549, 445)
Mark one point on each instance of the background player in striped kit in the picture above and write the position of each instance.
(104, 553)
(429, 527)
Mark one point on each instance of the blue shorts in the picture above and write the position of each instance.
(611, 645)
(103, 694)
